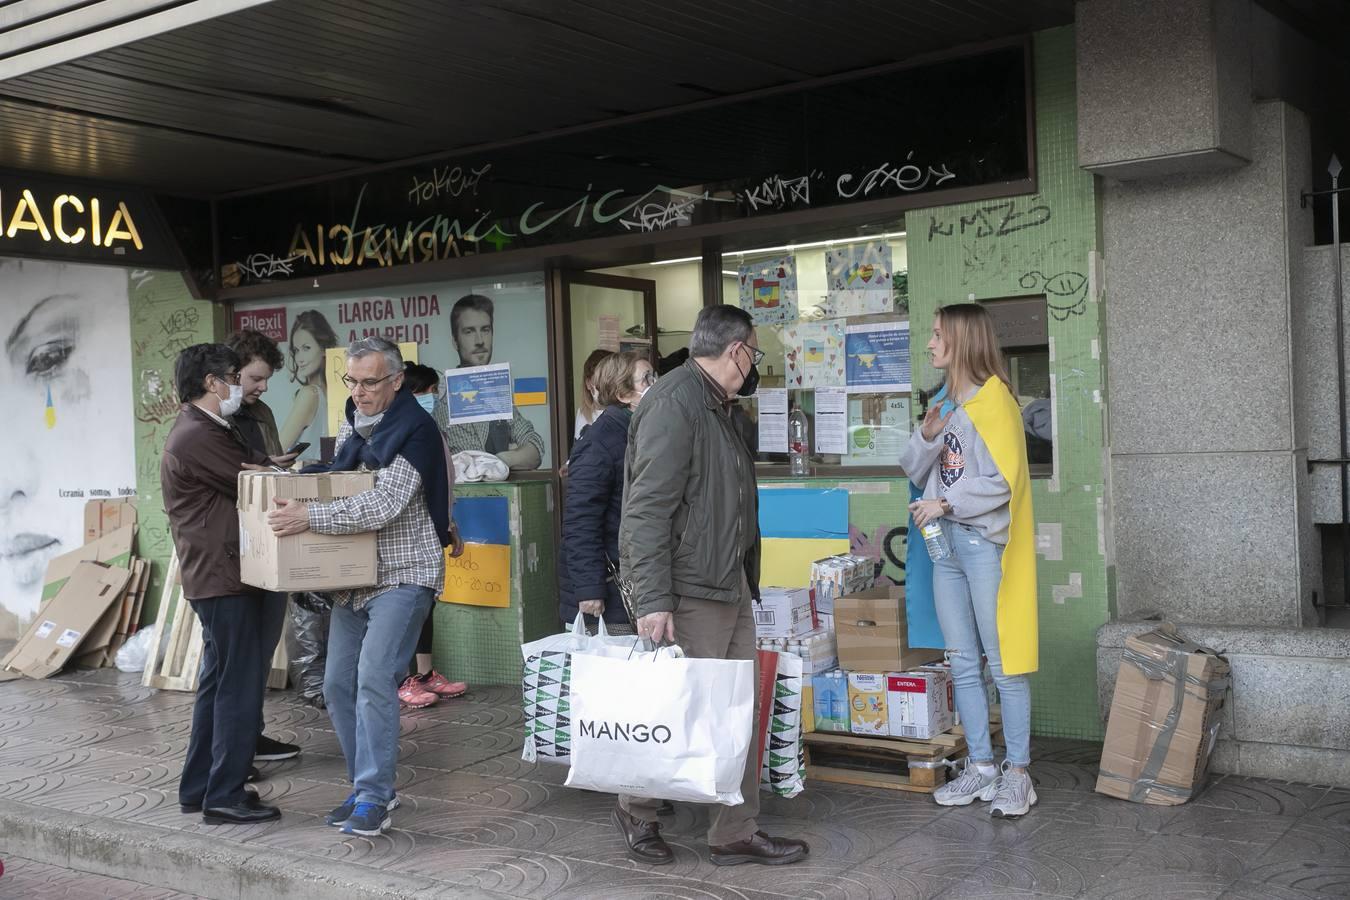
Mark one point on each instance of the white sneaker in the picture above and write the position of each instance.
(1014, 795)
(970, 786)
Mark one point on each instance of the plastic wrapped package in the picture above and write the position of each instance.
(307, 644)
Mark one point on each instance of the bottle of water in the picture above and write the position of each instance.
(935, 539)
(798, 448)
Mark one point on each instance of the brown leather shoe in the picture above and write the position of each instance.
(645, 844)
(761, 849)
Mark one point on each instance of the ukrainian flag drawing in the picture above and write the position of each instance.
(531, 392)
(798, 526)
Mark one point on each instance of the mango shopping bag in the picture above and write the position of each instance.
(662, 725)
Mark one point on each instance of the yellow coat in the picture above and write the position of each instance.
(996, 416)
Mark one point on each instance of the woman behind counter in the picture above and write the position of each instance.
(594, 498)
(971, 456)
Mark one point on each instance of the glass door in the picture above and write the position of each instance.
(603, 312)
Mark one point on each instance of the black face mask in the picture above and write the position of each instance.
(747, 388)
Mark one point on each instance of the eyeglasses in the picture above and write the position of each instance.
(228, 377)
(369, 384)
(756, 354)
(647, 380)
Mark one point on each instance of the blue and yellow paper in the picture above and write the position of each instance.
(482, 575)
(798, 526)
(531, 391)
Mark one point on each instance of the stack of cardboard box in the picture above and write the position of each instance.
(884, 687)
(92, 597)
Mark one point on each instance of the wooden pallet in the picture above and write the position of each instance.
(181, 665)
(892, 763)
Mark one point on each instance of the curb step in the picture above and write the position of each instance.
(198, 864)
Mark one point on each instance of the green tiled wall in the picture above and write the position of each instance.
(481, 645)
(164, 320)
(1042, 244)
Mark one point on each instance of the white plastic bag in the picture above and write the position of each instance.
(661, 726)
(545, 687)
(134, 654)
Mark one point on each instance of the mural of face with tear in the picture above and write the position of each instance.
(65, 382)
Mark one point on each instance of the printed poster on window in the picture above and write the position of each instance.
(479, 393)
(814, 354)
(860, 279)
(878, 429)
(768, 290)
(878, 358)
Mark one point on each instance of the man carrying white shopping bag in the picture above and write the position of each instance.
(689, 552)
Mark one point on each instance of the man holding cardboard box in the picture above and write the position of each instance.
(374, 629)
(258, 359)
(689, 542)
(198, 474)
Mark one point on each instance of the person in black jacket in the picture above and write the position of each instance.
(594, 497)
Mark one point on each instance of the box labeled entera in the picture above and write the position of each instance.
(919, 704)
(873, 634)
(305, 561)
(867, 704)
(1164, 719)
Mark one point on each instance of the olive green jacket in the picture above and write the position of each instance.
(690, 525)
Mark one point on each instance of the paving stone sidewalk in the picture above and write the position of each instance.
(476, 819)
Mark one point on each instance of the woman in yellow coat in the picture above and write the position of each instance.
(970, 457)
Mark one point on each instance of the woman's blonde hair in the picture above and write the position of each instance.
(617, 375)
(588, 405)
(968, 330)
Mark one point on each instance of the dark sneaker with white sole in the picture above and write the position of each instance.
(272, 750)
(368, 820)
(339, 816)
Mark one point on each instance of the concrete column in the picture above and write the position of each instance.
(1164, 86)
(1210, 491)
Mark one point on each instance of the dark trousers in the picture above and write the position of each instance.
(229, 700)
(273, 618)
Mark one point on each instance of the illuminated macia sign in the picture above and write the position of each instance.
(68, 218)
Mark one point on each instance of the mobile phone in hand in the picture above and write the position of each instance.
(300, 447)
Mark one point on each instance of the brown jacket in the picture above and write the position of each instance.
(198, 475)
(259, 427)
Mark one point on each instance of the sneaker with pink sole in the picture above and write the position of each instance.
(441, 686)
(412, 694)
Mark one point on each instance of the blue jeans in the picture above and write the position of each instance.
(368, 652)
(965, 591)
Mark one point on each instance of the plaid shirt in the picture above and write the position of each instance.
(474, 435)
(408, 549)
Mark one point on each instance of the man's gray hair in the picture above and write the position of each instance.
(393, 359)
(717, 328)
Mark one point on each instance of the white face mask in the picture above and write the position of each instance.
(230, 406)
(365, 425)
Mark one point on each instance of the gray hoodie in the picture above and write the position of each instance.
(956, 466)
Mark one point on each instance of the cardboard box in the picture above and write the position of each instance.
(835, 576)
(829, 693)
(1164, 719)
(113, 548)
(106, 516)
(867, 704)
(919, 704)
(784, 613)
(64, 624)
(305, 561)
(873, 634)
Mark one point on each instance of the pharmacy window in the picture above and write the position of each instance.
(832, 316)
